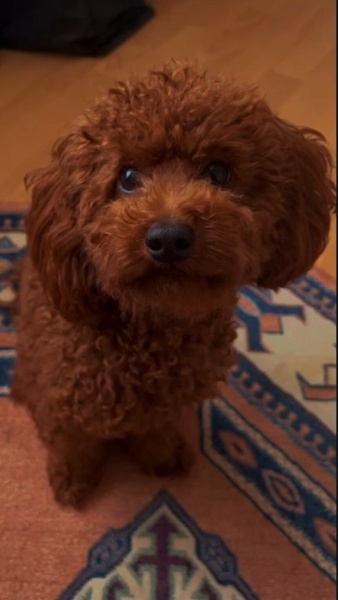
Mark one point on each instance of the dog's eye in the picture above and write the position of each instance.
(218, 172)
(129, 180)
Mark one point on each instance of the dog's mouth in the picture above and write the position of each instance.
(174, 281)
(176, 292)
(178, 295)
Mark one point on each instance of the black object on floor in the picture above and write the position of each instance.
(73, 27)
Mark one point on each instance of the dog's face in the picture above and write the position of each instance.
(172, 192)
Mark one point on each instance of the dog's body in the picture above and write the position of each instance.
(128, 296)
(129, 380)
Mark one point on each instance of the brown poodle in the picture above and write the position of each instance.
(171, 193)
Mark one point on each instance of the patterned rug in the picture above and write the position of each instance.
(256, 519)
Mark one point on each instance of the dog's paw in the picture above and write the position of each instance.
(175, 459)
(179, 463)
(70, 488)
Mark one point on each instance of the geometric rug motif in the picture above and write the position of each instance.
(285, 493)
(161, 555)
(12, 248)
(299, 421)
(286, 365)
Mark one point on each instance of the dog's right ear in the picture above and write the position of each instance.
(54, 242)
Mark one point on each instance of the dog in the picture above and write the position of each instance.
(168, 195)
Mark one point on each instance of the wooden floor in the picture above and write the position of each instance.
(286, 46)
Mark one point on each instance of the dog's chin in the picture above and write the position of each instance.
(181, 298)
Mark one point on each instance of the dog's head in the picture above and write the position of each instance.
(173, 191)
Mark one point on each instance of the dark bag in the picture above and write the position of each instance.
(75, 27)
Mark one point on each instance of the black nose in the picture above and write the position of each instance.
(169, 242)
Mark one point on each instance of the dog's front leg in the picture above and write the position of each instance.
(74, 467)
(162, 451)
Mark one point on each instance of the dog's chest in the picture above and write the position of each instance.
(137, 374)
(150, 358)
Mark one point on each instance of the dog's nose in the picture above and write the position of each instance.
(169, 242)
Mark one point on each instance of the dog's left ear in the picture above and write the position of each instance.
(301, 166)
(55, 242)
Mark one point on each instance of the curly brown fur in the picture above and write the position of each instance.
(112, 344)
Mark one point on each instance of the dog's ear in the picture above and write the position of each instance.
(302, 167)
(54, 241)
